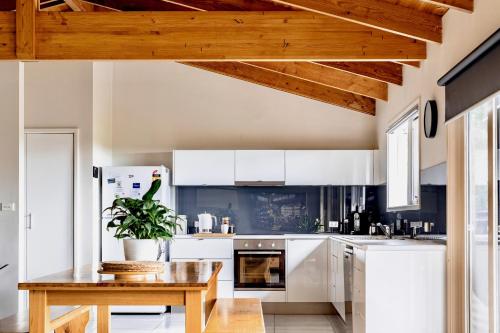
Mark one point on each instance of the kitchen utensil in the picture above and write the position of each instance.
(224, 228)
(205, 221)
(428, 227)
(181, 228)
(226, 220)
(231, 229)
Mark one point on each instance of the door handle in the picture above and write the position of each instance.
(28, 221)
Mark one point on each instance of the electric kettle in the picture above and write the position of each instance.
(205, 222)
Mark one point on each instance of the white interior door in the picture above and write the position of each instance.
(49, 203)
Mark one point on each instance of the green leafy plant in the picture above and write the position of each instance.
(142, 218)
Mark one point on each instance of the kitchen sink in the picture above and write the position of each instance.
(371, 238)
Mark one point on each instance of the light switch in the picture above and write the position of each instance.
(7, 207)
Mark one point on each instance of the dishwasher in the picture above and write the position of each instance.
(348, 267)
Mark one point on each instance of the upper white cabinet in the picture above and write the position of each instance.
(290, 167)
(260, 166)
(307, 270)
(329, 167)
(203, 167)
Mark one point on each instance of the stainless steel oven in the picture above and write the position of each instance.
(259, 264)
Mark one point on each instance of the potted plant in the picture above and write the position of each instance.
(143, 224)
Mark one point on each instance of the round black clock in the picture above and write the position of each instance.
(430, 119)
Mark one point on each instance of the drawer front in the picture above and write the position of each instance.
(225, 289)
(264, 296)
(201, 249)
(359, 259)
(225, 274)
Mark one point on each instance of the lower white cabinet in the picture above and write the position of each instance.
(307, 270)
(194, 249)
(263, 295)
(358, 292)
(399, 291)
(336, 276)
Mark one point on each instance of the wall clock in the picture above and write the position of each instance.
(430, 119)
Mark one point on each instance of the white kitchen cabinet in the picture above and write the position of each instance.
(201, 248)
(203, 167)
(209, 250)
(259, 166)
(307, 270)
(329, 167)
(336, 276)
(269, 296)
(358, 292)
(225, 274)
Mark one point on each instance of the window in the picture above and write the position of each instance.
(403, 166)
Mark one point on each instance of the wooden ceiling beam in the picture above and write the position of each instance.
(464, 5)
(415, 64)
(80, 6)
(25, 28)
(383, 71)
(379, 14)
(290, 84)
(242, 36)
(139, 5)
(60, 7)
(7, 35)
(328, 76)
(232, 5)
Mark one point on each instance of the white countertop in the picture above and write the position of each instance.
(355, 241)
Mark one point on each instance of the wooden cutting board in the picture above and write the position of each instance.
(133, 266)
(131, 270)
(213, 235)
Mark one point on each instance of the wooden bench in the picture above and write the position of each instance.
(236, 315)
(72, 320)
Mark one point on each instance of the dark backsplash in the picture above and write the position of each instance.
(432, 206)
(275, 210)
(253, 210)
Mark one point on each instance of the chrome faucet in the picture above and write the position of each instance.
(385, 229)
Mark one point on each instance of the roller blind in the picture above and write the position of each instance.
(474, 78)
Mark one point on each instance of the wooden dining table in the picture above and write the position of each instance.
(189, 284)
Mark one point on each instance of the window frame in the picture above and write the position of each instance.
(411, 114)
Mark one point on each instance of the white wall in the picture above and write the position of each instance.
(160, 106)
(462, 32)
(59, 95)
(102, 92)
(11, 180)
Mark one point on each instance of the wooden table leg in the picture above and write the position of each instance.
(75, 325)
(39, 312)
(210, 299)
(103, 319)
(194, 312)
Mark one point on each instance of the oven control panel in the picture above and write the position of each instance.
(259, 244)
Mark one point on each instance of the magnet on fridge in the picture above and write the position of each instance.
(111, 180)
(156, 175)
(136, 185)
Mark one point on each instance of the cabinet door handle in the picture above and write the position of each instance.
(28, 221)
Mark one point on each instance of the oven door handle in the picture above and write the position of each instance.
(259, 252)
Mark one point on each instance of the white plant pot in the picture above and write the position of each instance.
(141, 249)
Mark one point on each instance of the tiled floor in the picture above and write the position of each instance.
(174, 323)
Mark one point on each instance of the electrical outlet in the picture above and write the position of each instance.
(418, 224)
(7, 207)
(333, 224)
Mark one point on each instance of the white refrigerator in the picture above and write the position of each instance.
(132, 182)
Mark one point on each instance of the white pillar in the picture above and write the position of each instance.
(11, 183)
